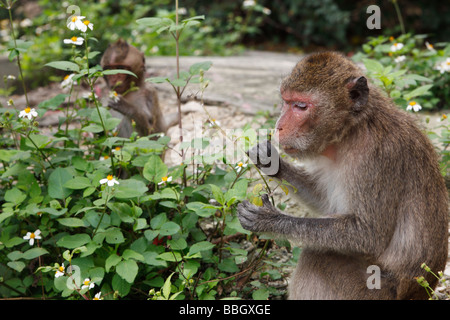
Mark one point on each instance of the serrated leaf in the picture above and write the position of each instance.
(196, 67)
(418, 92)
(73, 241)
(200, 246)
(78, 183)
(127, 270)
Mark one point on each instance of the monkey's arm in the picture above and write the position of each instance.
(268, 160)
(344, 233)
(134, 111)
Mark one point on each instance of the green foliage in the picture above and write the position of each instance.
(88, 215)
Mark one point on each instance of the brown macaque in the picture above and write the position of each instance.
(371, 174)
(136, 100)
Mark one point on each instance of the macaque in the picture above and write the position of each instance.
(136, 99)
(371, 174)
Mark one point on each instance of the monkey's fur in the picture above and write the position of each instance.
(372, 174)
(140, 103)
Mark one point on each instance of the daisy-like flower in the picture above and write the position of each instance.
(240, 166)
(109, 180)
(114, 96)
(28, 112)
(68, 82)
(77, 23)
(32, 235)
(444, 66)
(10, 102)
(87, 283)
(429, 46)
(116, 149)
(213, 122)
(98, 296)
(414, 106)
(396, 46)
(400, 59)
(78, 41)
(87, 24)
(165, 180)
(60, 271)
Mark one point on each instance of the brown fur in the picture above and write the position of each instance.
(372, 174)
(140, 105)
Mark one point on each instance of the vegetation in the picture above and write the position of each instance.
(88, 215)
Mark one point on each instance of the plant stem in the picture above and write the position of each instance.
(18, 54)
(40, 151)
(399, 15)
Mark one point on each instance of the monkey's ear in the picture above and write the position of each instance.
(359, 92)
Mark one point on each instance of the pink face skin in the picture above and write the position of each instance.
(295, 112)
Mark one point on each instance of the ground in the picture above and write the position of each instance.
(240, 86)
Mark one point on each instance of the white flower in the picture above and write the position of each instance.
(240, 166)
(32, 235)
(114, 96)
(76, 23)
(109, 180)
(396, 46)
(248, 3)
(68, 82)
(60, 271)
(10, 102)
(429, 46)
(87, 283)
(444, 66)
(267, 11)
(213, 122)
(11, 77)
(98, 296)
(414, 106)
(87, 24)
(74, 40)
(400, 59)
(165, 180)
(28, 113)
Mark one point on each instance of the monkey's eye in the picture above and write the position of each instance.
(300, 105)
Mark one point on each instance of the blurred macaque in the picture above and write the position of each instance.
(131, 96)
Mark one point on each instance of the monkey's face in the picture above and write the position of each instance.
(119, 82)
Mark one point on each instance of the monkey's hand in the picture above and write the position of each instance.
(259, 219)
(266, 158)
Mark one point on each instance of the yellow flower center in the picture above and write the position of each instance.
(240, 164)
(32, 235)
(117, 149)
(109, 177)
(164, 179)
(95, 298)
(86, 22)
(74, 19)
(86, 283)
(448, 63)
(67, 77)
(444, 116)
(61, 269)
(74, 39)
(391, 38)
(27, 110)
(106, 157)
(412, 103)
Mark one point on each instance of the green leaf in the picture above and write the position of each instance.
(114, 236)
(116, 71)
(56, 183)
(178, 244)
(196, 67)
(71, 222)
(64, 65)
(41, 141)
(112, 261)
(155, 169)
(34, 253)
(123, 210)
(78, 183)
(120, 285)
(15, 196)
(73, 241)
(422, 90)
(53, 103)
(200, 246)
(260, 294)
(169, 228)
(218, 194)
(166, 289)
(373, 66)
(157, 79)
(130, 188)
(201, 209)
(127, 270)
(131, 254)
(16, 265)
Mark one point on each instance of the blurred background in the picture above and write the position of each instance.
(229, 27)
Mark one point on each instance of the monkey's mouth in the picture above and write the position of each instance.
(289, 149)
